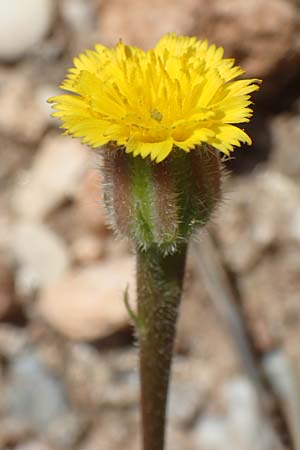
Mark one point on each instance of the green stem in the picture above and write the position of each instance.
(159, 288)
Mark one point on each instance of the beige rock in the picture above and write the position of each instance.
(87, 248)
(87, 376)
(13, 341)
(105, 436)
(54, 177)
(89, 202)
(33, 445)
(41, 256)
(142, 23)
(88, 303)
(270, 293)
(22, 113)
(260, 33)
(176, 440)
(12, 156)
(264, 35)
(116, 247)
(285, 133)
(262, 210)
(13, 430)
(23, 24)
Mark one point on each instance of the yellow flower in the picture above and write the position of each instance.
(179, 94)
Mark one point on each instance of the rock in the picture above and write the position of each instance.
(210, 434)
(89, 202)
(5, 234)
(283, 375)
(11, 161)
(87, 248)
(97, 383)
(246, 427)
(41, 94)
(36, 399)
(33, 394)
(67, 430)
(123, 389)
(241, 427)
(247, 31)
(151, 19)
(53, 178)
(41, 257)
(283, 378)
(263, 210)
(23, 25)
(81, 22)
(22, 116)
(87, 376)
(111, 432)
(177, 439)
(13, 340)
(7, 286)
(116, 247)
(88, 303)
(272, 308)
(13, 432)
(79, 14)
(285, 135)
(33, 445)
(184, 401)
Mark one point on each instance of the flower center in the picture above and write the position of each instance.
(156, 115)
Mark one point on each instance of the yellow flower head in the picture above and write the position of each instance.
(179, 94)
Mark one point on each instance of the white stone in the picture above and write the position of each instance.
(54, 176)
(247, 427)
(79, 14)
(88, 303)
(33, 445)
(241, 427)
(210, 434)
(23, 24)
(41, 256)
(23, 114)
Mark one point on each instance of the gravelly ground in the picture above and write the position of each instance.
(68, 375)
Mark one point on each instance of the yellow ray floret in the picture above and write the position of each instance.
(181, 93)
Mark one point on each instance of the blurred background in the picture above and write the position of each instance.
(68, 374)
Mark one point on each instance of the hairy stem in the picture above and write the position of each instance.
(159, 288)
